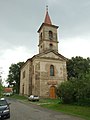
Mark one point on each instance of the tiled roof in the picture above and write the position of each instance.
(7, 89)
(47, 19)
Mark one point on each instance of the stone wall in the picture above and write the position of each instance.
(42, 80)
(25, 79)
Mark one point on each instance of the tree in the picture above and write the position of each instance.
(14, 76)
(75, 91)
(78, 67)
(77, 88)
(1, 89)
(65, 92)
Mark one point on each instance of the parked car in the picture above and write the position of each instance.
(4, 108)
(7, 94)
(33, 98)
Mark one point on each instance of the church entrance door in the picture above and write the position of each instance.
(52, 92)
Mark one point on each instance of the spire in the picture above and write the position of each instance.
(47, 18)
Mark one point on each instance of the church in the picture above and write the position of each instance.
(41, 74)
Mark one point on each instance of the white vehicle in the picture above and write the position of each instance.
(33, 98)
(7, 93)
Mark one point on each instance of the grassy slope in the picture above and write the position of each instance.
(83, 112)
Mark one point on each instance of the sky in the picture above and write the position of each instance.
(21, 19)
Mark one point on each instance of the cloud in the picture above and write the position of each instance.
(20, 20)
(75, 47)
(13, 56)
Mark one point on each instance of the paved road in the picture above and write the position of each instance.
(21, 111)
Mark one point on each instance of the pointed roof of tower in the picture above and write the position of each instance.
(47, 17)
(47, 21)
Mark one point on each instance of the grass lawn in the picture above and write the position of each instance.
(80, 111)
(54, 104)
(16, 96)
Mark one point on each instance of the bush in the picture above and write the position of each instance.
(75, 91)
(1, 90)
(65, 92)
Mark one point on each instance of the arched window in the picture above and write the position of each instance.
(23, 74)
(51, 70)
(50, 35)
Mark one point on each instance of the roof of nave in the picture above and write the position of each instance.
(42, 55)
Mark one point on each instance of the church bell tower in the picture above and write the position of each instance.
(48, 39)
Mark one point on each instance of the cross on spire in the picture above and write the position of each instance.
(46, 8)
(47, 17)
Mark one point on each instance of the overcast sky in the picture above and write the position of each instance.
(20, 20)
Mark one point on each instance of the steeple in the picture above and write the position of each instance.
(48, 39)
(47, 17)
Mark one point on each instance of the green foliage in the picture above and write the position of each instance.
(79, 111)
(19, 97)
(1, 90)
(14, 76)
(65, 92)
(77, 88)
(78, 67)
(76, 91)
